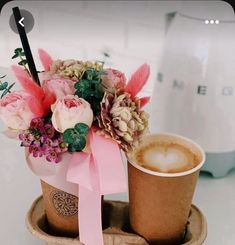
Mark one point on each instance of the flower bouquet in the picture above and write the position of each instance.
(73, 123)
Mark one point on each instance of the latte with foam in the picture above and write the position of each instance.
(162, 174)
(165, 156)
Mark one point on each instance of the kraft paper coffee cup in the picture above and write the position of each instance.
(160, 202)
(61, 209)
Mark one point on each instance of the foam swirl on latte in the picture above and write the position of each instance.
(165, 157)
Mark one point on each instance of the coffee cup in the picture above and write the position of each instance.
(161, 196)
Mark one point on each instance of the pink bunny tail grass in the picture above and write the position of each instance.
(20, 72)
(27, 83)
(144, 101)
(47, 102)
(40, 102)
(45, 59)
(41, 108)
(36, 107)
(138, 80)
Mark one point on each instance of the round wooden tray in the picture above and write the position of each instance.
(118, 231)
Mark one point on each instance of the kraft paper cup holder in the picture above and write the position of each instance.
(118, 232)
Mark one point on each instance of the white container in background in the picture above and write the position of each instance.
(195, 90)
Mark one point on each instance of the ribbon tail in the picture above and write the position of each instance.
(89, 214)
(97, 174)
(107, 155)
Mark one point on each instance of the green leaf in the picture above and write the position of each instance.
(89, 74)
(83, 81)
(83, 89)
(82, 85)
(96, 108)
(82, 128)
(71, 148)
(3, 76)
(18, 50)
(9, 88)
(97, 94)
(79, 144)
(69, 136)
(3, 85)
(4, 93)
(95, 81)
(22, 62)
(89, 88)
(15, 56)
(100, 73)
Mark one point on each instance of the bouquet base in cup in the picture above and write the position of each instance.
(115, 215)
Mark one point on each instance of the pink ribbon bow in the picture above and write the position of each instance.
(99, 173)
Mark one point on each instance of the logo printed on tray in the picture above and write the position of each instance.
(64, 203)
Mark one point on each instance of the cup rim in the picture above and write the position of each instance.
(171, 175)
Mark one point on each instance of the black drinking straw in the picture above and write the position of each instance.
(25, 44)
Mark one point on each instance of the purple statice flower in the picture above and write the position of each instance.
(49, 130)
(43, 140)
(60, 146)
(63, 147)
(35, 150)
(37, 142)
(26, 139)
(37, 123)
(52, 155)
(56, 143)
(46, 142)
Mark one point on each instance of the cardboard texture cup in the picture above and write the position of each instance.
(160, 202)
(61, 209)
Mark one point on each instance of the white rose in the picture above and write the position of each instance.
(69, 111)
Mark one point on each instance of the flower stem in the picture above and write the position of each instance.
(25, 67)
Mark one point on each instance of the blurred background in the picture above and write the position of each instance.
(124, 34)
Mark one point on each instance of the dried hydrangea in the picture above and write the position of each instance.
(122, 119)
(73, 69)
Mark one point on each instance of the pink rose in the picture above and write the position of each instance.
(59, 86)
(69, 111)
(15, 111)
(114, 79)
